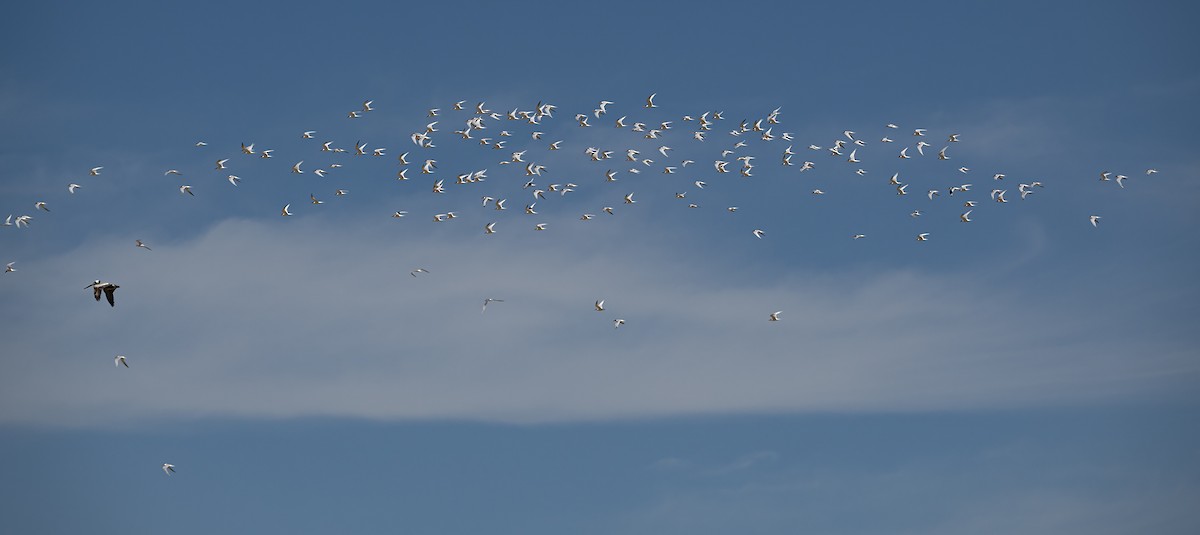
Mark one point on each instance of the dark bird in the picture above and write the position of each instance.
(107, 287)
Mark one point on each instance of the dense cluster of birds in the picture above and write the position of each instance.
(520, 134)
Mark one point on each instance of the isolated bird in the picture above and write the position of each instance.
(618, 322)
(489, 300)
(139, 243)
(120, 360)
(1094, 219)
(107, 288)
(758, 233)
(168, 468)
(8, 268)
(285, 212)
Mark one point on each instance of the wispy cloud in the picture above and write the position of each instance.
(975, 492)
(297, 318)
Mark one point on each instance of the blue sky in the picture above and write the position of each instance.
(1024, 372)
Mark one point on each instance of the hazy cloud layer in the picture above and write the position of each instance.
(297, 318)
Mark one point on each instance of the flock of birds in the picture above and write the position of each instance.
(521, 135)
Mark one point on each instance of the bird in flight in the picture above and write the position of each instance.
(8, 268)
(418, 270)
(120, 360)
(775, 315)
(142, 245)
(1094, 219)
(168, 468)
(107, 288)
(489, 300)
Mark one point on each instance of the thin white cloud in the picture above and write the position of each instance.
(295, 317)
